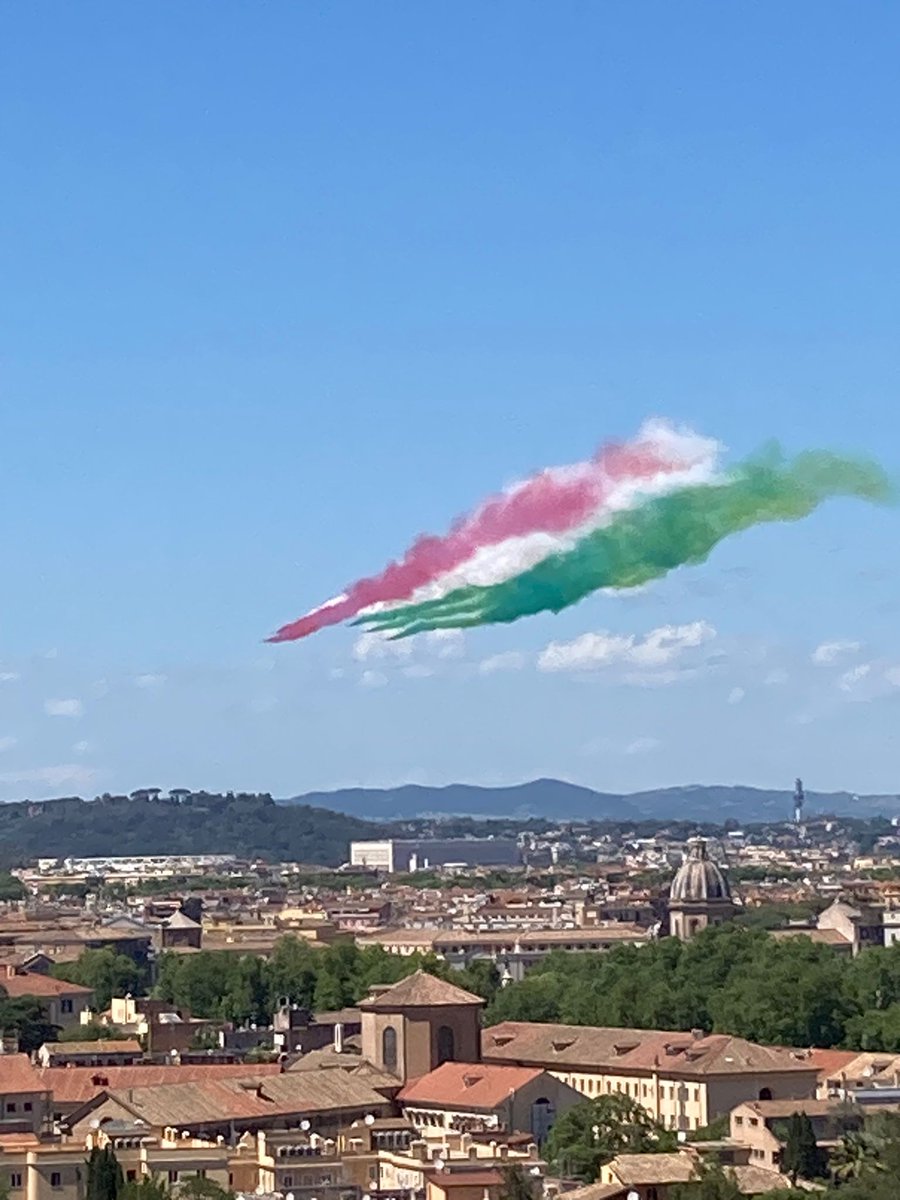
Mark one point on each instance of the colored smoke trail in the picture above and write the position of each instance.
(508, 533)
(647, 542)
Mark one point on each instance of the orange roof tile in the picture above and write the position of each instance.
(467, 1085)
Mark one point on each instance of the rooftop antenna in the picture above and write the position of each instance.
(799, 798)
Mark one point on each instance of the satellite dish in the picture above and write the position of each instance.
(633, 1195)
(369, 1119)
(681, 1136)
(304, 1125)
(439, 1164)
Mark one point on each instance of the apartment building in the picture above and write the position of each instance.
(685, 1080)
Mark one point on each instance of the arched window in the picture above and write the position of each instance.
(765, 1093)
(389, 1048)
(446, 1045)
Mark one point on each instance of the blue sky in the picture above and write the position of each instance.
(285, 284)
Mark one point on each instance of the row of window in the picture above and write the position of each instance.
(15, 1180)
(27, 1106)
(592, 1086)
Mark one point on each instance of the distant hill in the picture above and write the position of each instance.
(247, 825)
(539, 798)
(556, 799)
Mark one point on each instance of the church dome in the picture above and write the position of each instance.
(698, 879)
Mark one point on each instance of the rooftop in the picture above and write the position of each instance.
(419, 990)
(467, 1085)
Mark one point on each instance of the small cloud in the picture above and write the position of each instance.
(336, 673)
(592, 651)
(372, 679)
(448, 643)
(829, 652)
(855, 675)
(150, 680)
(81, 747)
(9, 676)
(370, 647)
(7, 743)
(642, 745)
(511, 660)
(892, 676)
(58, 776)
(63, 708)
(736, 695)
(418, 671)
(776, 678)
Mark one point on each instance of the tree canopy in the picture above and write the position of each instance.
(595, 1131)
(729, 980)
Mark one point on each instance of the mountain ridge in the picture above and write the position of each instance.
(562, 800)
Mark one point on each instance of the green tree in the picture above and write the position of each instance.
(291, 971)
(712, 1182)
(801, 1157)
(148, 1187)
(104, 1175)
(197, 1187)
(595, 1131)
(516, 1184)
(26, 1017)
(11, 888)
(92, 1032)
(106, 973)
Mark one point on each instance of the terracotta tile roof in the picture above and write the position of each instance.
(18, 1075)
(419, 990)
(831, 1062)
(101, 1046)
(822, 937)
(214, 1102)
(77, 1085)
(32, 983)
(586, 1047)
(645, 1169)
(596, 1191)
(774, 1110)
(756, 1181)
(455, 1179)
(467, 1085)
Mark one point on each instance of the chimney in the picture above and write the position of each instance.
(339, 1038)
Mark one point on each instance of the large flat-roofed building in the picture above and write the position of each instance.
(395, 854)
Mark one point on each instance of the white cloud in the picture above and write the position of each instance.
(642, 745)
(7, 743)
(658, 648)
(63, 708)
(776, 678)
(448, 643)
(372, 679)
(418, 671)
(855, 675)
(81, 747)
(829, 652)
(736, 695)
(375, 647)
(892, 676)
(9, 676)
(66, 773)
(150, 680)
(511, 660)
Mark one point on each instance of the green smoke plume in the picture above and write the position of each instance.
(647, 542)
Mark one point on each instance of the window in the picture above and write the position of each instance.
(28, 1106)
(15, 1180)
(389, 1048)
(738, 1120)
(446, 1045)
(287, 1181)
(65, 1006)
(765, 1093)
(55, 1179)
(173, 1177)
(11, 1107)
(131, 1176)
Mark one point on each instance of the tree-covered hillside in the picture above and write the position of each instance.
(147, 822)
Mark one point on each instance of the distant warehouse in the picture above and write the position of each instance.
(393, 854)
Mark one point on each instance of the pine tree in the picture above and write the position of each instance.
(801, 1158)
